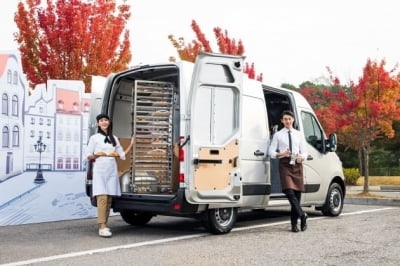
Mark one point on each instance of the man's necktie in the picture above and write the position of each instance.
(290, 141)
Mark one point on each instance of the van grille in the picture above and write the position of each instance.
(152, 154)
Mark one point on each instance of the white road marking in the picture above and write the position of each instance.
(166, 240)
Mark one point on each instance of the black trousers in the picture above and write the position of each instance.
(294, 198)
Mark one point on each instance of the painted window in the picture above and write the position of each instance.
(15, 138)
(76, 163)
(15, 78)
(60, 164)
(6, 137)
(4, 104)
(68, 163)
(9, 76)
(15, 105)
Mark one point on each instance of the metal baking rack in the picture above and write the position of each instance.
(152, 109)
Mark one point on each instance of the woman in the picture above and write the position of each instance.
(105, 172)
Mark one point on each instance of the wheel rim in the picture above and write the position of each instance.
(335, 200)
(223, 216)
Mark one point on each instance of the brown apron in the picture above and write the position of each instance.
(291, 175)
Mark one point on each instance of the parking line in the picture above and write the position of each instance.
(166, 240)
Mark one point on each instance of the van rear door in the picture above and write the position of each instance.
(214, 112)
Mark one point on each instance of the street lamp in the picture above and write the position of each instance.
(39, 147)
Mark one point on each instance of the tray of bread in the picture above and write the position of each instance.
(104, 154)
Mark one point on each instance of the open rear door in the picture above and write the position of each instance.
(214, 109)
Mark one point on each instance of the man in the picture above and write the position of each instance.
(288, 144)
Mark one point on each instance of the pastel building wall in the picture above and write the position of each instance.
(57, 112)
(13, 87)
(39, 123)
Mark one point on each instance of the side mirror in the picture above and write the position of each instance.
(332, 142)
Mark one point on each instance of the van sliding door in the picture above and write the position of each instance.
(215, 101)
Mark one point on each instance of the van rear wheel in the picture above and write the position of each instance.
(136, 218)
(220, 221)
(334, 201)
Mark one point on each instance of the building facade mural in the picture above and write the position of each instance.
(13, 88)
(56, 115)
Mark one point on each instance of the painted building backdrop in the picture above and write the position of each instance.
(56, 114)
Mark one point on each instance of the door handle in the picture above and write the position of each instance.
(309, 158)
(258, 153)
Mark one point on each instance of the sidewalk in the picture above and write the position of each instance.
(385, 195)
(16, 187)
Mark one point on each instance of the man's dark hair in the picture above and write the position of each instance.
(287, 112)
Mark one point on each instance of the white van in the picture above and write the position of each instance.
(202, 134)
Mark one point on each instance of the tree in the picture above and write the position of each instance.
(226, 45)
(361, 112)
(72, 39)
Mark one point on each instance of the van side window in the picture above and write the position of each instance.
(312, 130)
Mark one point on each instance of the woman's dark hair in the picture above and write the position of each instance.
(109, 135)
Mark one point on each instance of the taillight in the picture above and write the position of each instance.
(181, 155)
(181, 177)
(181, 159)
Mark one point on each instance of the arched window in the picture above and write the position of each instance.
(75, 106)
(86, 107)
(15, 78)
(60, 104)
(76, 163)
(15, 139)
(4, 102)
(6, 137)
(68, 163)
(60, 164)
(9, 76)
(15, 105)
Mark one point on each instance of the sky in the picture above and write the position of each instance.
(289, 41)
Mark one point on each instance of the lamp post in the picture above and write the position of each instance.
(39, 147)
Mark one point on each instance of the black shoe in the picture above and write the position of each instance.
(295, 229)
(303, 225)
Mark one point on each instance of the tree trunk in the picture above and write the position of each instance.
(360, 162)
(365, 162)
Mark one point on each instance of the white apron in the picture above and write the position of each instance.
(105, 172)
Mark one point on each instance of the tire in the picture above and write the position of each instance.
(334, 201)
(220, 221)
(136, 218)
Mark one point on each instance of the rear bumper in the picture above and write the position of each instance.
(155, 204)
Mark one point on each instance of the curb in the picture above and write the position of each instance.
(390, 188)
(372, 201)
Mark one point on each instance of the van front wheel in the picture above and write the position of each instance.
(220, 221)
(334, 201)
(136, 218)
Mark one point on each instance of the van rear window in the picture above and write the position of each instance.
(216, 73)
